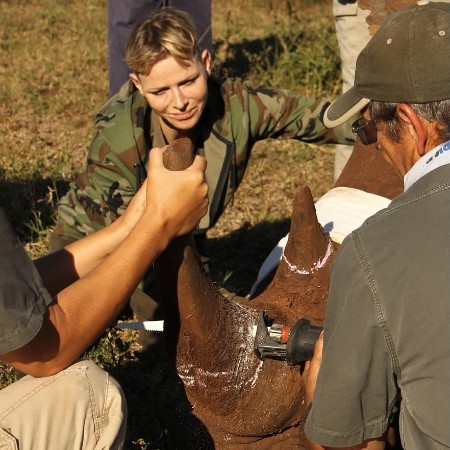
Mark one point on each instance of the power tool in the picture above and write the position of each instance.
(294, 345)
(274, 341)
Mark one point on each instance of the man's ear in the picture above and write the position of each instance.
(415, 126)
(135, 79)
(206, 60)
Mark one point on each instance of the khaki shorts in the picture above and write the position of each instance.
(81, 407)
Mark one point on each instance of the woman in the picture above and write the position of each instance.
(172, 94)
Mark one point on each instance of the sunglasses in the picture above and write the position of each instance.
(365, 130)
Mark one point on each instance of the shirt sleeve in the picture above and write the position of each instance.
(281, 113)
(23, 298)
(100, 194)
(356, 390)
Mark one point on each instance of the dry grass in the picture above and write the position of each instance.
(53, 77)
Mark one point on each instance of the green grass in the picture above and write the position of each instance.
(53, 77)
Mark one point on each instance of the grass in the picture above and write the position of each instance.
(53, 77)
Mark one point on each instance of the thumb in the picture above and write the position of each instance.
(313, 369)
(199, 163)
(155, 159)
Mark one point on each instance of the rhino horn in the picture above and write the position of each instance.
(180, 274)
(307, 245)
(300, 284)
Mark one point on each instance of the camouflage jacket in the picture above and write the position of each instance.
(236, 116)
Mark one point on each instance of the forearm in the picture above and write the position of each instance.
(65, 266)
(370, 444)
(86, 308)
(111, 264)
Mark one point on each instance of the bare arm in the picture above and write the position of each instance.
(63, 267)
(109, 272)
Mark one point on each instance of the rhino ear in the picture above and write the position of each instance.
(307, 244)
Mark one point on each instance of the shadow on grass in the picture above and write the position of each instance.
(241, 56)
(30, 204)
(159, 414)
(235, 259)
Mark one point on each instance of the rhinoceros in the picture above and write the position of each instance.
(245, 402)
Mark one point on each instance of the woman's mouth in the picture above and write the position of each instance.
(184, 115)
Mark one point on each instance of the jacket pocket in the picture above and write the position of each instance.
(7, 441)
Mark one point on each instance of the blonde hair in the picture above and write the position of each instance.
(168, 32)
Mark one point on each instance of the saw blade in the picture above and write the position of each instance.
(149, 325)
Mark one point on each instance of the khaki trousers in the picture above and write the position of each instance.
(81, 407)
(352, 34)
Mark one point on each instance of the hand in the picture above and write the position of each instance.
(312, 370)
(310, 378)
(177, 199)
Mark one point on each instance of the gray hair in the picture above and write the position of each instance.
(434, 111)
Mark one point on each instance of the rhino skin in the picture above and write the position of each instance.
(243, 402)
(380, 9)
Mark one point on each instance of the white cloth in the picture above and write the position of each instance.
(339, 211)
(433, 159)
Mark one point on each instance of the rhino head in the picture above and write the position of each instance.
(244, 402)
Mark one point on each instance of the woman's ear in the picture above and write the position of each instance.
(206, 60)
(415, 126)
(135, 79)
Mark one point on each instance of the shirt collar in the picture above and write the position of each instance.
(433, 159)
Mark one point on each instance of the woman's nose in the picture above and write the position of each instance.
(179, 100)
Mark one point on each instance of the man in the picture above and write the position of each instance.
(387, 335)
(52, 309)
(356, 21)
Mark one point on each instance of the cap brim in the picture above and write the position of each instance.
(344, 108)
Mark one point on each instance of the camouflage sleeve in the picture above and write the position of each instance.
(279, 113)
(103, 191)
(99, 195)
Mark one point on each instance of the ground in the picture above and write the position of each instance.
(53, 77)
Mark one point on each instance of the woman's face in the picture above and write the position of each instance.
(177, 94)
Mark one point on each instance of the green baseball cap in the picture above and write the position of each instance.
(407, 60)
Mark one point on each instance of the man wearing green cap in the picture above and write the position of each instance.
(386, 339)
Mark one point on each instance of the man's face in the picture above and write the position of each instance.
(400, 155)
(177, 94)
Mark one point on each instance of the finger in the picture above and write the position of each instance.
(199, 163)
(318, 349)
(156, 157)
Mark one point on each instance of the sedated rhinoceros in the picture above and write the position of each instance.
(244, 402)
